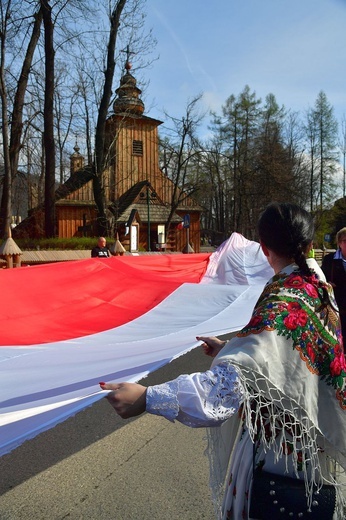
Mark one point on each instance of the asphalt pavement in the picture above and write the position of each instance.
(98, 466)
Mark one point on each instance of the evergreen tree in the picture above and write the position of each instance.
(322, 135)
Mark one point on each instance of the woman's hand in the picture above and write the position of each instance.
(211, 346)
(127, 399)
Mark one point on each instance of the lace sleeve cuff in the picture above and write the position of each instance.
(201, 399)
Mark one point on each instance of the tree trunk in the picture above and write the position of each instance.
(98, 188)
(6, 208)
(49, 145)
(5, 211)
(12, 145)
(17, 113)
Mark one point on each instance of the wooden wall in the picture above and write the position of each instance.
(194, 233)
(70, 218)
(127, 169)
(83, 194)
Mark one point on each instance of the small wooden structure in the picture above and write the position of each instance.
(117, 249)
(10, 252)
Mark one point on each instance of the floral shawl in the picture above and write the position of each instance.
(291, 361)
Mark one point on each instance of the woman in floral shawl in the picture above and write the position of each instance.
(276, 391)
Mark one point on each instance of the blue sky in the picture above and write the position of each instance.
(291, 48)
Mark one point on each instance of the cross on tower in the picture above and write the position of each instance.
(128, 53)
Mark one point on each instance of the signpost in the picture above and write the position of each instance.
(187, 221)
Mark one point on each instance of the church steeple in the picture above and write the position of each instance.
(76, 160)
(128, 100)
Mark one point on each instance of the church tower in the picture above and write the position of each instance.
(128, 100)
(76, 160)
(131, 140)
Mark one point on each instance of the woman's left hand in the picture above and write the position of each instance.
(127, 399)
(211, 345)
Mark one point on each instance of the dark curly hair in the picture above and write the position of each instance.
(287, 229)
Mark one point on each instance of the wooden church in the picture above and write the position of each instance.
(138, 194)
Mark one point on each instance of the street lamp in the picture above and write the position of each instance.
(148, 204)
(149, 196)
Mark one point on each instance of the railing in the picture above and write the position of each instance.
(320, 253)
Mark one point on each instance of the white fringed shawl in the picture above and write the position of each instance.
(290, 360)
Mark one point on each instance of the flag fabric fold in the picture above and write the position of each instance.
(67, 326)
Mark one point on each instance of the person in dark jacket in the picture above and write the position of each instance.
(101, 250)
(334, 268)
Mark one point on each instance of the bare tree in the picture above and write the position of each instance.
(12, 135)
(99, 195)
(7, 182)
(215, 182)
(293, 138)
(180, 153)
(64, 107)
(48, 137)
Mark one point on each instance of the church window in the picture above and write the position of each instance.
(137, 147)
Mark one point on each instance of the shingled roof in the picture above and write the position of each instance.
(74, 182)
(130, 196)
(9, 247)
(134, 199)
(158, 214)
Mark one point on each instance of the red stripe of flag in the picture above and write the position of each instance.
(63, 301)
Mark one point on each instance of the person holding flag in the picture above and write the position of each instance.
(274, 399)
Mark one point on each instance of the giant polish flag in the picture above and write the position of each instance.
(67, 326)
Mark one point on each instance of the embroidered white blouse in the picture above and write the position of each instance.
(200, 399)
(206, 400)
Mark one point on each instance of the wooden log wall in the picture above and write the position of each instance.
(194, 233)
(70, 218)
